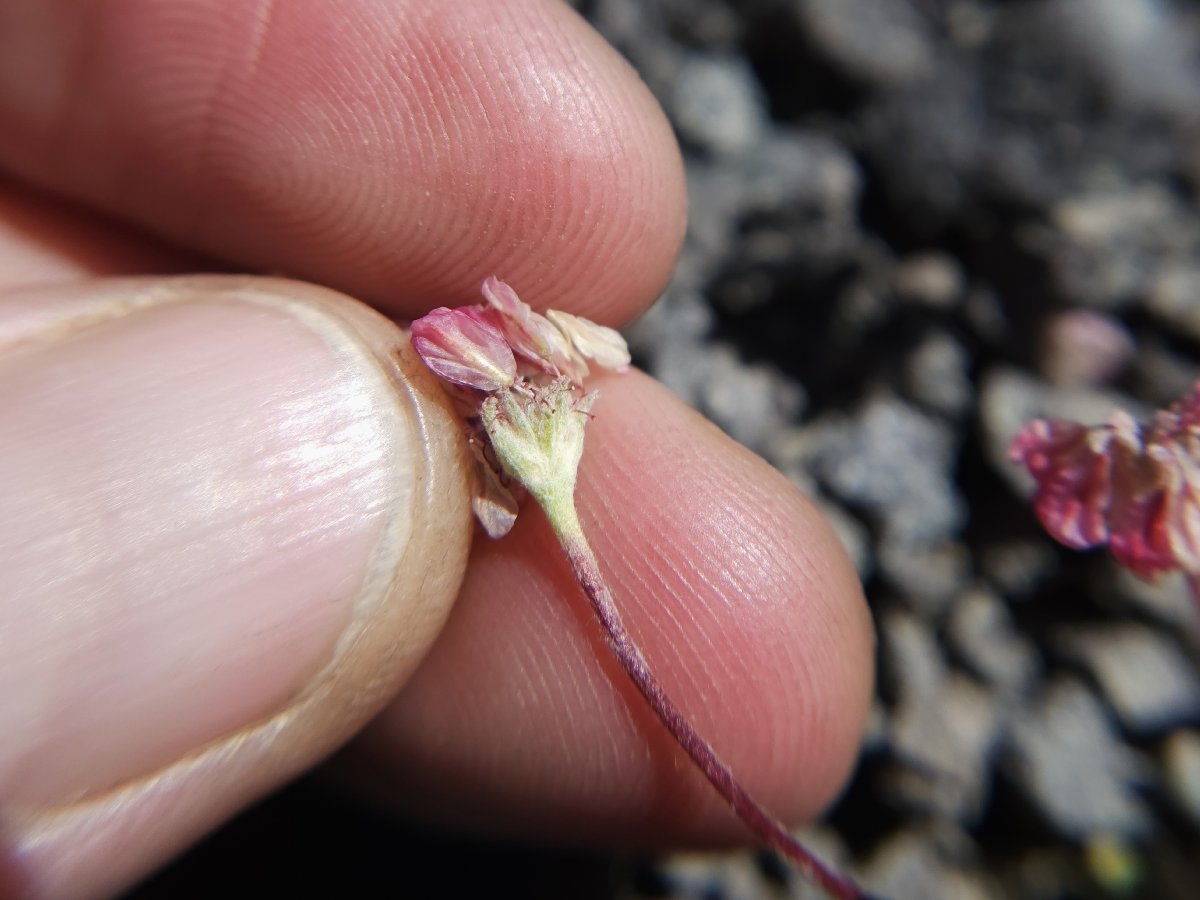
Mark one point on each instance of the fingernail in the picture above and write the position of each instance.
(198, 493)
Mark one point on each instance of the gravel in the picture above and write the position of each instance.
(915, 225)
(1069, 760)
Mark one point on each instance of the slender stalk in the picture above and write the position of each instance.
(560, 510)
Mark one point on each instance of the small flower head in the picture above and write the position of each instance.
(539, 440)
(1135, 489)
(529, 427)
(462, 346)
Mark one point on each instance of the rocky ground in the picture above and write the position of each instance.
(914, 225)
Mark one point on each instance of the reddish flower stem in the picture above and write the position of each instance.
(765, 826)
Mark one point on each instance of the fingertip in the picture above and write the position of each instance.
(752, 597)
(244, 515)
(742, 600)
(400, 151)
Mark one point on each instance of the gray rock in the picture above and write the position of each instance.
(683, 366)
(801, 190)
(1134, 49)
(1110, 246)
(749, 402)
(1071, 764)
(935, 280)
(1174, 295)
(796, 205)
(681, 316)
(639, 30)
(986, 316)
(946, 745)
(875, 736)
(944, 728)
(807, 174)
(878, 41)
(980, 631)
(1149, 682)
(700, 876)
(1163, 373)
(1181, 760)
(705, 23)
(929, 577)
(717, 104)
(912, 662)
(928, 144)
(895, 462)
(826, 844)
(1167, 598)
(1016, 567)
(1057, 123)
(910, 866)
(937, 374)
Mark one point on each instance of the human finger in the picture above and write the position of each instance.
(400, 151)
(521, 723)
(233, 517)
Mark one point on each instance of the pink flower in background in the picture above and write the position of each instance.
(1132, 487)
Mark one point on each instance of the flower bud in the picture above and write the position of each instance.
(538, 439)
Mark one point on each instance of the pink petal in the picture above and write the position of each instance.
(1139, 491)
(463, 347)
(1139, 513)
(531, 334)
(1140, 538)
(1073, 480)
(1179, 521)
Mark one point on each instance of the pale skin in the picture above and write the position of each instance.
(398, 152)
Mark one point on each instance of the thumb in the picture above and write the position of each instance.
(233, 517)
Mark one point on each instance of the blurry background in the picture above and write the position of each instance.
(914, 225)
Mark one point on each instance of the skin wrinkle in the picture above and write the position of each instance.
(250, 509)
(738, 588)
(583, 690)
(188, 127)
(699, 643)
(603, 689)
(320, 222)
(259, 36)
(696, 650)
(743, 561)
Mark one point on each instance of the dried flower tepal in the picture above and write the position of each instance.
(1135, 488)
(517, 377)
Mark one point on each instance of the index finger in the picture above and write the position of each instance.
(399, 151)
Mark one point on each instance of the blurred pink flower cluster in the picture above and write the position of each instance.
(1135, 488)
